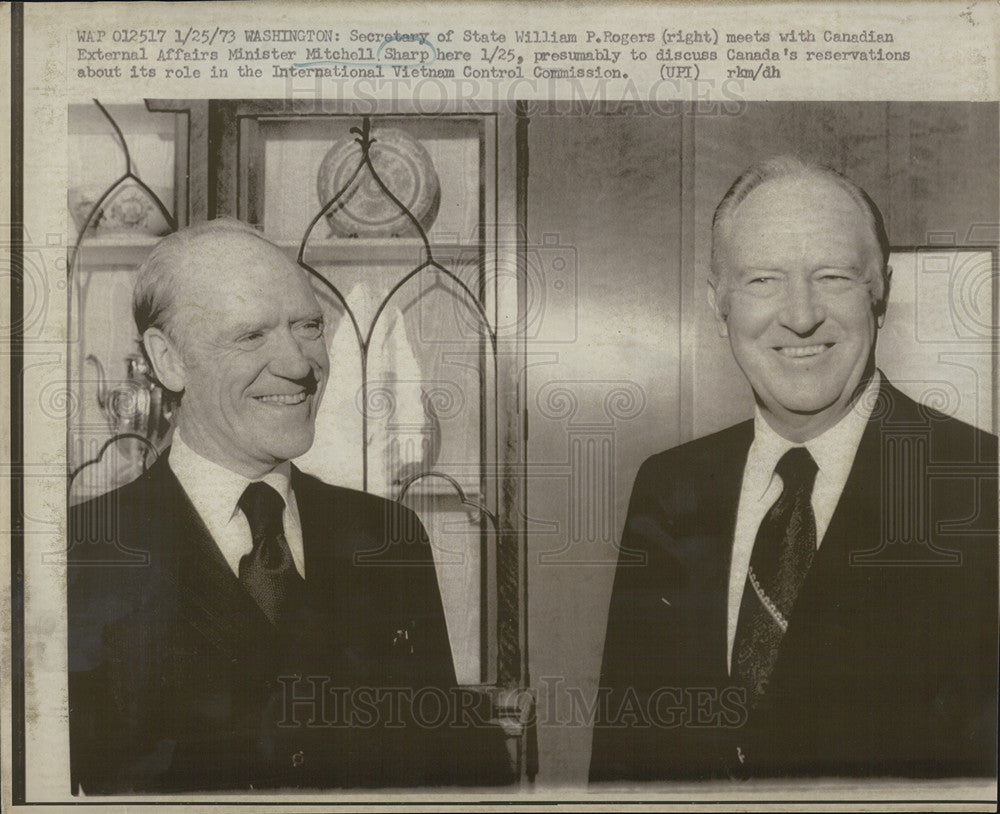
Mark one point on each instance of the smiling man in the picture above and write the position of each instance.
(237, 639)
(817, 587)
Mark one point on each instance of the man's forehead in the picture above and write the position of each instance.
(793, 197)
(799, 213)
(220, 280)
(214, 260)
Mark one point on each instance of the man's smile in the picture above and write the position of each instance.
(285, 399)
(803, 351)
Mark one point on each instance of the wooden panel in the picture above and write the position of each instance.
(943, 173)
(604, 338)
(508, 253)
(223, 160)
(192, 158)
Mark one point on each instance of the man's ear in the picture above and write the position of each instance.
(166, 359)
(883, 301)
(717, 301)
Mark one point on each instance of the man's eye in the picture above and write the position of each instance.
(251, 338)
(313, 329)
(836, 277)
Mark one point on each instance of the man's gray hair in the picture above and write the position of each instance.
(790, 166)
(153, 298)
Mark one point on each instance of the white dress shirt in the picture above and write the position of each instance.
(215, 492)
(833, 452)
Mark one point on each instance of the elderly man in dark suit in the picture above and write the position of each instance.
(817, 587)
(233, 622)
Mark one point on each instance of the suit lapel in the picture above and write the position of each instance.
(317, 626)
(833, 580)
(317, 530)
(705, 530)
(210, 597)
(730, 483)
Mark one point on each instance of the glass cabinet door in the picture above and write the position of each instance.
(389, 214)
(126, 188)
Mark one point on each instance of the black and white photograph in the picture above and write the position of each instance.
(519, 444)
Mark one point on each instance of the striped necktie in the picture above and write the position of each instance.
(782, 553)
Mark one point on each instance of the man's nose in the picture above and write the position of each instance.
(803, 309)
(290, 358)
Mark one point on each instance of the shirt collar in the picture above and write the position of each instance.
(833, 450)
(215, 490)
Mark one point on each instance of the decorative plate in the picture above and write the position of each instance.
(364, 210)
(128, 209)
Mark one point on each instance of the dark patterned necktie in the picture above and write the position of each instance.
(268, 572)
(782, 553)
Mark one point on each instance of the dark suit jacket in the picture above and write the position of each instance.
(178, 681)
(889, 664)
